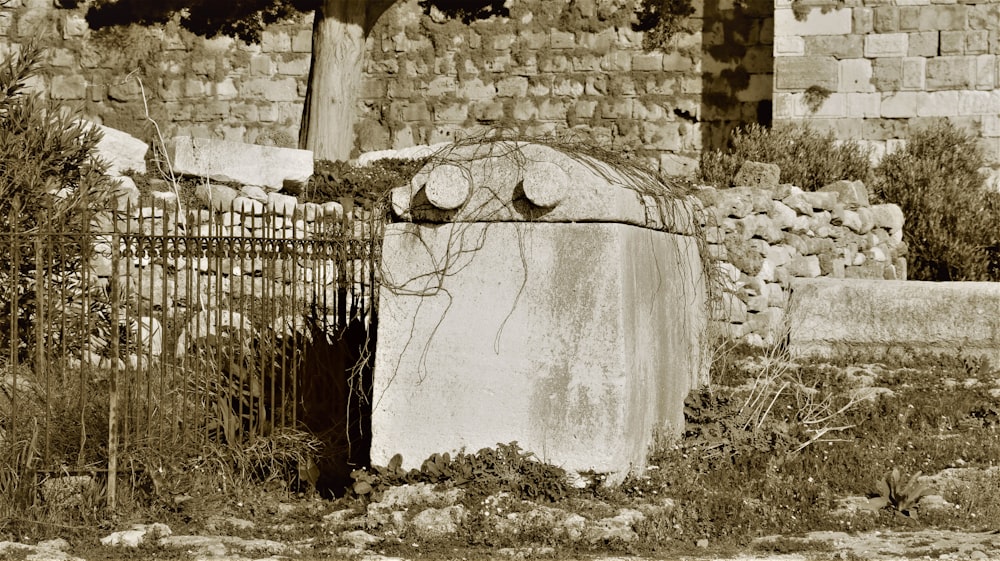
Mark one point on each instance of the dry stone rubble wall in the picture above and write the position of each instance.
(764, 234)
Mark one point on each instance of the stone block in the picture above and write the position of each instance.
(864, 20)
(821, 200)
(856, 75)
(952, 318)
(886, 45)
(282, 205)
(977, 42)
(837, 46)
(122, 151)
(851, 194)
(652, 62)
(247, 164)
(789, 46)
(68, 87)
(978, 103)
(801, 73)
(983, 16)
(952, 43)
(951, 72)
(942, 17)
(678, 165)
(923, 44)
(572, 366)
(863, 105)
(886, 19)
(887, 74)
(900, 105)
(937, 104)
(914, 73)
(832, 21)
(805, 266)
(216, 197)
(758, 174)
(781, 215)
(888, 216)
(986, 68)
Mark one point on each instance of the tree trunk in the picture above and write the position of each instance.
(338, 51)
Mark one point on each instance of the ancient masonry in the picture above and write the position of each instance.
(766, 234)
(875, 70)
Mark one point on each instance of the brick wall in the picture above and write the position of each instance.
(554, 65)
(875, 70)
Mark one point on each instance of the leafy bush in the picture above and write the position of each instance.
(951, 222)
(505, 468)
(807, 158)
(49, 180)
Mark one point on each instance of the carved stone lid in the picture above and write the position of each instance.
(513, 181)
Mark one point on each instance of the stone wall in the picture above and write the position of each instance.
(554, 65)
(765, 235)
(875, 70)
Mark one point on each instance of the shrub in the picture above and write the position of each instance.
(807, 158)
(49, 180)
(950, 223)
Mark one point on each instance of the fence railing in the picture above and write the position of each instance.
(162, 329)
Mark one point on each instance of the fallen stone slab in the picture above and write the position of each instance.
(883, 317)
(237, 162)
(122, 151)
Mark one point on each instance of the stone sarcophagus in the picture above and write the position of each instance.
(537, 296)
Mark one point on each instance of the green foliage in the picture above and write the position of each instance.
(661, 20)
(900, 493)
(505, 468)
(951, 222)
(49, 182)
(240, 18)
(807, 158)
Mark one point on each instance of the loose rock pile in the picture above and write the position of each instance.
(765, 233)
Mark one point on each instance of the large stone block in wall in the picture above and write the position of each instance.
(246, 164)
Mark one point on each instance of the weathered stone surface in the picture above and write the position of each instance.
(126, 191)
(569, 382)
(782, 215)
(847, 218)
(122, 151)
(247, 164)
(215, 196)
(757, 174)
(595, 191)
(851, 194)
(282, 205)
(432, 523)
(798, 202)
(821, 200)
(888, 216)
(879, 316)
(409, 153)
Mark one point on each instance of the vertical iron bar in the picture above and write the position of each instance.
(41, 300)
(116, 250)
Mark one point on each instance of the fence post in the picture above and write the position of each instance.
(15, 268)
(115, 352)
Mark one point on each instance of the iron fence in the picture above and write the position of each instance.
(164, 329)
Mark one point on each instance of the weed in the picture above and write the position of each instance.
(899, 493)
(505, 468)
